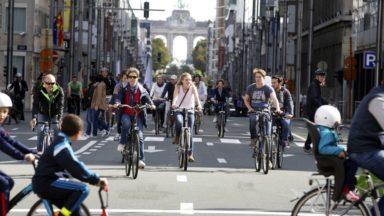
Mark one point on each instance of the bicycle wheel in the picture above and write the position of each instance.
(181, 152)
(157, 122)
(280, 153)
(197, 123)
(257, 157)
(168, 129)
(46, 142)
(265, 155)
(274, 150)
(222, 122)
(38, 209)
(135, 155)
(218, 125)
(127, 155)
(186, 148)
(314, 201)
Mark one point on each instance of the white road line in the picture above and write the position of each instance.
(110, 138)
(93, 149)
(13, 136)
(186, 208)
(87, 146)
(104, 141)
(221, 160)
(33, 138)
(181, 178)
(232, 141)
(86, 153)
(210, 144)
(15, 129)
(201, 130)
(98, 146)
(197, 139)
(298, 136)
(156, 139)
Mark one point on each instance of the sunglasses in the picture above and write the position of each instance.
(50, 83)
(132, 77)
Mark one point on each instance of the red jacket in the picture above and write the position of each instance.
(136, 100)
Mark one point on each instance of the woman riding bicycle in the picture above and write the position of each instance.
(132, 94)
(185, 96)
(257, 97)
(219, 97)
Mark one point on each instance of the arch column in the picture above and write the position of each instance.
(189, 47)
(170, 43)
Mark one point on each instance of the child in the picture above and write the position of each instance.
(12, 148)
(327, 118)
(51, 180)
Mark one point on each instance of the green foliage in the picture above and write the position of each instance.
(199, 55)
(185, 68)
(173, 69)
(158, 46)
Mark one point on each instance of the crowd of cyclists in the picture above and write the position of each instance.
(102, 102)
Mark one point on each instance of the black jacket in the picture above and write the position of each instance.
(19, 90)
(220, 98)
(285, 100)
(314, 98)
(48, 105)
(169, 88)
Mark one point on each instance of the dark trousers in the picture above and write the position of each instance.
(6, 184)
(307, 144)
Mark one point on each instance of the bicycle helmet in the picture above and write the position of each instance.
(328, 116)
(18, 74)
(5, 100)
(320, 72)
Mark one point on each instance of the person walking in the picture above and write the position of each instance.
(19, 87)
(99, 106)
(314, 101)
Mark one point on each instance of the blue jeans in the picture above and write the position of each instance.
(374, 162)
(126, 122)
(99, 123)
(89, 118)
(179, 124)
(40, 127)
(254, 126)
(285, 128)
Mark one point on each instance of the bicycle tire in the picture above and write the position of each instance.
(257, 157)
(218, 125)
(45, 142)
(135, 155)
(222, 122)
(197, 123)
(127, 159)
(305, 207)
(181, 151)
(280, 154)
(38, 209)
(265, 155)
(186, 149)
(167, 130)
(157, 120)
(274, 150)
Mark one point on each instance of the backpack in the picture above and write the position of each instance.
(88, 97)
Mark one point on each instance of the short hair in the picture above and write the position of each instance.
(220, 80)
(279, 78)
(71, 125)
(259, 71)
(133, 70)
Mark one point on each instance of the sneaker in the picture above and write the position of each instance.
(117, 137)
(141, 164)
(253, 143)
(307, 151)
(120, 147)
(191, 159)
(94, 136)
(105, 133)
(214, 119)
(351, 196)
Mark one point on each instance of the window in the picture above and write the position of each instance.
(19, 22)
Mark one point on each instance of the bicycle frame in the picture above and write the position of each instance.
(184, 146)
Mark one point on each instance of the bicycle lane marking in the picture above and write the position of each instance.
(86, 147)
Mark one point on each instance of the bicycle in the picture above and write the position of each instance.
(261, 153)
(48, 134)
(170, 123)
(159, 106)
(131, 152)
(277, 148)
(220, 120)
(323, 199)
(197, 124)
(73, 104)
(185, 139)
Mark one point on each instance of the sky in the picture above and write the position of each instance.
(201, 10)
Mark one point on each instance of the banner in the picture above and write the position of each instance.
(67, 15)
(60, 30)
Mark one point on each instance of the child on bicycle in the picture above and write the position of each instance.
(51, 180)
(327, 119)
(12, 148)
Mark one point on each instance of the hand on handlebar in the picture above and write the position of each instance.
(103, 183)
(29, 157)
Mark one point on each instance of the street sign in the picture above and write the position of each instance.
(369, 61)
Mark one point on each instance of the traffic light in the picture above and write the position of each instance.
(146, 10)
(5, 71)
(159, 57)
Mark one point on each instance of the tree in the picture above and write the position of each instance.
(173, 69)
(185, 68)
(160, 54)
(199, 55)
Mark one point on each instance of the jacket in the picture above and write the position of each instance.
(285, 100)
(328, 142)
(314, 98)
(48, 105)
(99, 95)
(12, 147)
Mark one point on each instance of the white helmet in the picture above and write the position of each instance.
(18, 74)
(328, 116)
(5, 100)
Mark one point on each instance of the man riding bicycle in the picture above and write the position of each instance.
(74, 95)
(286, 105)
(133, 94)
(47, 106)
(168, 92)
(201, 89)
(219, 97)
(156, 92)
(366, 138)
(257, 97)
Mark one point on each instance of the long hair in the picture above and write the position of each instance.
(183, 75)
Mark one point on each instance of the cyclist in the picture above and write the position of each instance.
(123, 82)
(185, 96)
(51, 180)
(12, 148)
(201, 89)
(109, 82)
(133, 94)
(286, 105)
(327, 119)
(365, 142)
(219, 97)
(168, 92)
(258, 96)
(156, 92)
(74, 94)
(47, 106)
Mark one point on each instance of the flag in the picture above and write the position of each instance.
(54, 31)
(60, 30)
(67, 15)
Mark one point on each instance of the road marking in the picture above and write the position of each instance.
(163, 211)
(156, 139)
(181, 178)
(110, 138)
(33, 138)
(152, 149)
(197, 139)
(86, 153)
(87, 146)
(201, 130)
(210, 144)
(221, 160)
(83, 137)
(15, 129)
(97, 146)
(104, 141)
(298, 136)
(92, 150)
(186, 208)
(232, 141)
(13, 137)
(303, 128)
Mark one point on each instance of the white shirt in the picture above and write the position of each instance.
(202, 91)
(156, 91)
(189, 100)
